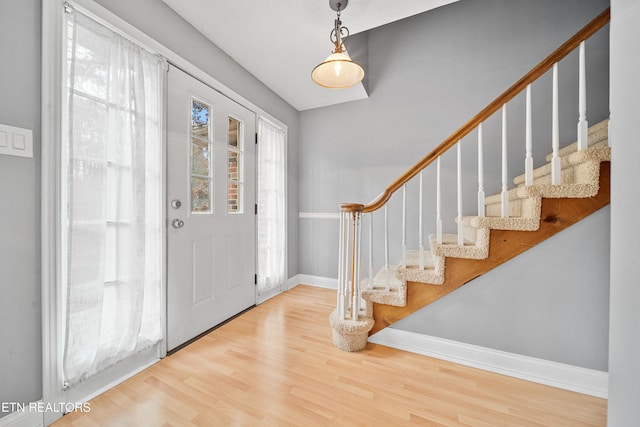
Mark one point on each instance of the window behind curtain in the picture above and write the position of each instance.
(111, 199)
(271, 206)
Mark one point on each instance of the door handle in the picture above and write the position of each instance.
(177, 223)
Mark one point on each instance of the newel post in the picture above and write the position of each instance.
(350, 324)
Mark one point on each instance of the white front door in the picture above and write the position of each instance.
(211, 208)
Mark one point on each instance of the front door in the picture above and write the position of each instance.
(211, 208)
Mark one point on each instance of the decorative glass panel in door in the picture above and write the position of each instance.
(235, 170)
(201, 162)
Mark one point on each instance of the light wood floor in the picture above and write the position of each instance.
(276, 366)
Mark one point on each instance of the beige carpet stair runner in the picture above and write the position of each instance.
(580, 179)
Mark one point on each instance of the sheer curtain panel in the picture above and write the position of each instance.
(111, 185)
(271, 206)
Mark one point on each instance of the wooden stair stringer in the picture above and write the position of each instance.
(556, 215)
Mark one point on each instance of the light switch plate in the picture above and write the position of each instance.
(16, 141)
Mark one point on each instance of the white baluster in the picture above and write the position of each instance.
(341, 282)
(352, 275)
(370, 282)
(420, 242)
(348, 262)
(357, 243)
(528, 160)
(556, 178)
(386, 249)
(438, 205)
(481, 196)
(504, 195)
(404, 226)
(459, 182)
(583, 124)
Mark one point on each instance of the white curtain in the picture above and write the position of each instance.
(111, 199)
(271, 206)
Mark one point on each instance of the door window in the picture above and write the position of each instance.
(235, 160)
(201, 158)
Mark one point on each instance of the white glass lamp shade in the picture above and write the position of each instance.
(338, 71)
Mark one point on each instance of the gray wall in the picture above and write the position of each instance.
(624, 356)
(20, 330)
(428, 75)
(20, 284)
(547, 303)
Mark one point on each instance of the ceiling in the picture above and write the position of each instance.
(280, 41)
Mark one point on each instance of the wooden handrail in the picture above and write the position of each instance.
(544, 66)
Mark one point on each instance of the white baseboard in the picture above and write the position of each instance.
(567, 377)
(306, 279)
(24, 418)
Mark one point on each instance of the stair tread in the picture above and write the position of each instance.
(519, 223)
(598, 134)
(568, 160)
(515, 193)
(413, 259)
(543, 187)
(451, 239)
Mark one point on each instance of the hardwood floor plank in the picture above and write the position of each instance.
(276, 366)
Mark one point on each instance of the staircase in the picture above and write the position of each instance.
(541, 210)
(571, 185)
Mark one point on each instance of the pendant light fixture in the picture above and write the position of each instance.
(338, 71)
